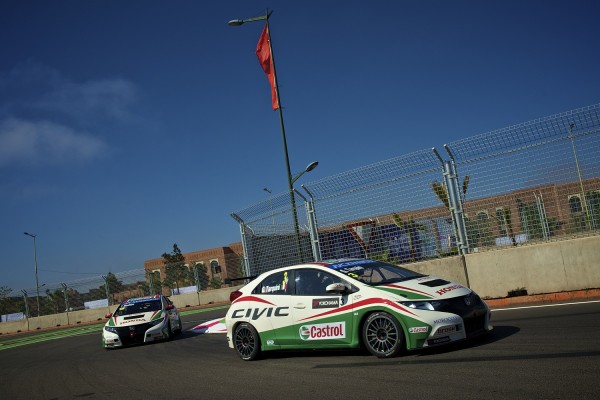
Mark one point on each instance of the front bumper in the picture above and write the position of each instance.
(467, 317)
(133, 334)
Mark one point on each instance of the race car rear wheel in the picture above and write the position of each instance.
(246, 342)
(382, 335)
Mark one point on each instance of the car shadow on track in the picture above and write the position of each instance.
(495, 335)
(177, 337)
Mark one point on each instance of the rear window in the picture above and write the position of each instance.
(374, 272)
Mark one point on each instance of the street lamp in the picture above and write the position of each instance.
(308, 168)
(291, 180)
(37, 286)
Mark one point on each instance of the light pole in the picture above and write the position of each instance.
(65, 287)
(25, 300)
(291, 180)
(37, 286)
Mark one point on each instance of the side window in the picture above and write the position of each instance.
(276, 283)
(313, 282)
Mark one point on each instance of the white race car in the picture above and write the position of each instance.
(349, 304)
(141, 320)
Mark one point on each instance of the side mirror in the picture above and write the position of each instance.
(108, 315)
(169, 307)
(339, 288)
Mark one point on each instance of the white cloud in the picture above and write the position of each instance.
(101, 98)
(43, 143)
(32, 87)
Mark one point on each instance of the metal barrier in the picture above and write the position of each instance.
(525, 184)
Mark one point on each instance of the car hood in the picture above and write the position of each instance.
(134, 319)
(425, 288)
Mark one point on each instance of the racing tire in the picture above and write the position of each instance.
(382, 335)
(179, 329)
(246, 342)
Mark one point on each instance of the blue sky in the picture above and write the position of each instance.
(127, 126)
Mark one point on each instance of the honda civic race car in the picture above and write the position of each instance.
(141, 320)
(349, 304)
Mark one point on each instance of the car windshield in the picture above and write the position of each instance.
(374, 272)
(137, 306)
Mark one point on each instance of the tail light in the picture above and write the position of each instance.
(234, 295)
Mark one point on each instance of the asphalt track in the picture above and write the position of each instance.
(534, 353)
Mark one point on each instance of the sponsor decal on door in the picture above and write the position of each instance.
(334, 330)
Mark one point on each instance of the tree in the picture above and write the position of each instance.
(411, 228)
(505, 219)
(216, 282)
(177, 273)
(54, 301)
(202, 273)
(153, 282)
(4, 292)
(114, 285)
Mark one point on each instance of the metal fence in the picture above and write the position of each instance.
(104, 290)
(525, 184)
(80, 294)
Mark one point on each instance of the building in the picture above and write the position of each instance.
(222, 263)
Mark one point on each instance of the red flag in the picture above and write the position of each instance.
(265, 58)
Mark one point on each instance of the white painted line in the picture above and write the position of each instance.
(546, 305)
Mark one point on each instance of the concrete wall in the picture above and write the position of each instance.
(544, 268)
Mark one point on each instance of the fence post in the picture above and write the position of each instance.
(313, 226)
(246, 260)
(539, 201)
(106, 289)
(457, 203)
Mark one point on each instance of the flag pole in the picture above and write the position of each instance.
(285, 149)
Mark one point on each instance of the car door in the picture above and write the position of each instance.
(270, 312)
(320, 319)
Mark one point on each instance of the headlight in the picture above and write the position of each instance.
(156, 322)
(110, 329)
(422, 305)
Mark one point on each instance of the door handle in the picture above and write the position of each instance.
(300, 306)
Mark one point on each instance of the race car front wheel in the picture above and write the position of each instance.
(382, 335)
(246, 342)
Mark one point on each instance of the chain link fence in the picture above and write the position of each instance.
(109, 289)
(93, 292)
(525, 184)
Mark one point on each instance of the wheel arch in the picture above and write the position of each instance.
(366, 315)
